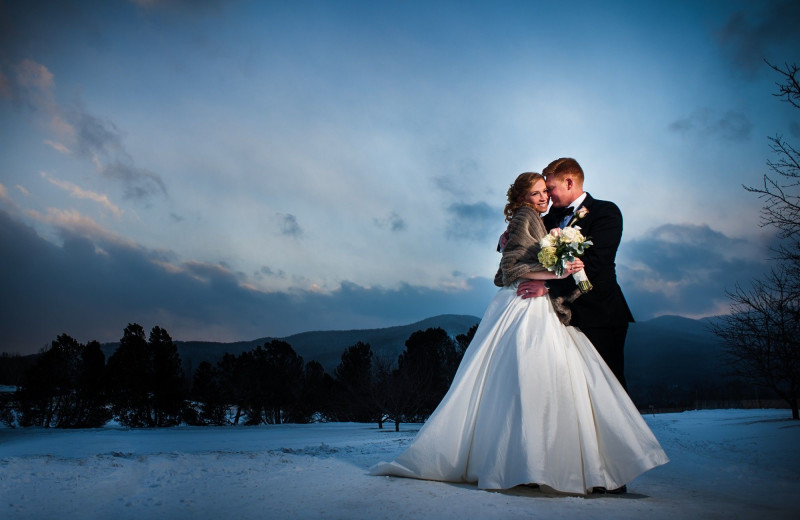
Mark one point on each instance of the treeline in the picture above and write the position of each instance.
(142, 384)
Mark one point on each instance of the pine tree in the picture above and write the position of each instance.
(64, 387)
(355, 400)
(146, 379)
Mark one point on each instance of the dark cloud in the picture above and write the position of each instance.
(767, 30)
(732, 126)
(267, 271)
(476, 221)
(685, 269)
(457, 174)
(450, 185)
(139, 183)
(101, 141)
(94, 135)
(92, 289)
(393, 222)
(289, 225)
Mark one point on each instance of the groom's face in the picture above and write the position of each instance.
(559, 191)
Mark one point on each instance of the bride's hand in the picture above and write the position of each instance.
(577, 265)
(572, 268)
(532, 289)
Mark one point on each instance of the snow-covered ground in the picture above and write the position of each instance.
(724, 464)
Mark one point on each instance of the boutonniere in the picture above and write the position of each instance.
(582, 212)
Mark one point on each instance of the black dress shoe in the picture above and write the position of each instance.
(602, 490)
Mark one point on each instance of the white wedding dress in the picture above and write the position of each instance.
(532, 402)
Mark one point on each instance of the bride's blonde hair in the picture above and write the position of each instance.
(517, 191)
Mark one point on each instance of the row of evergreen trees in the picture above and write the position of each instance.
(70, 385)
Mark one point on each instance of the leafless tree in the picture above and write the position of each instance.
(780, 189)
(762, 335)
(762, 331)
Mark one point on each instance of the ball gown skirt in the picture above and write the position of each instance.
(531, 402)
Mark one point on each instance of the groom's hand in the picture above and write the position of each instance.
(531, 289)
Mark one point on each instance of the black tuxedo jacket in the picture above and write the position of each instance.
(604, 305)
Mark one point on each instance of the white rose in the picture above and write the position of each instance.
(548, 241)
(571, 235)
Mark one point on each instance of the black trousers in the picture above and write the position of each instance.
(610, 344)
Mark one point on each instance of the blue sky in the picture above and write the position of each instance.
(232, 170)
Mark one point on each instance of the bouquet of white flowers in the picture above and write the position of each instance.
(562, 246)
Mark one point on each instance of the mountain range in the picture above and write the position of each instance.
(325, 347)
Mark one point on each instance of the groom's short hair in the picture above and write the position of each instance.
(562, 167)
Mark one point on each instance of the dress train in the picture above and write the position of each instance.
(532, 402)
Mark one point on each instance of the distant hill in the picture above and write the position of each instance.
(326, 347)
(676, 360)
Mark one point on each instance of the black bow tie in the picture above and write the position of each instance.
(562, 212)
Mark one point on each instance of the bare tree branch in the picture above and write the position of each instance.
(789, 88)
(762, 331)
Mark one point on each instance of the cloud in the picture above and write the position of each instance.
(34, 88)
(267, 271)
(96, 282)
(732, 126)
(80, 193)
(768, 33)
(6, 198)
(393, 222)
(57, 146)
(289, 225)
(448, 184)
(73, 223)
(471, 221)
(207, 273)
(685, 269)
(76, 129)
(34, 77)
(95, 136)
(93, 284)
(139, 183)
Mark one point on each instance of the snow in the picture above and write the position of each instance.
(724, 464)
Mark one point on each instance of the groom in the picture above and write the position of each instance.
(602, 313)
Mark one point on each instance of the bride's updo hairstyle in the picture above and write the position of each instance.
(516, 193)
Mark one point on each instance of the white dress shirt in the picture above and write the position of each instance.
(574, 205)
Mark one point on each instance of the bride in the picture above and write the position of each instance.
(532, 401)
